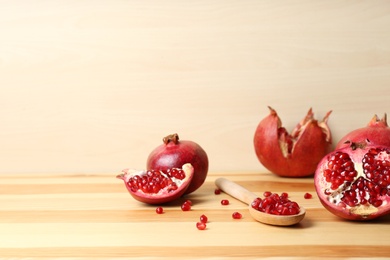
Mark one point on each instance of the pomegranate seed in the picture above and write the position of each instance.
(201, 225)
(153, 181)
(203, 219)
(275, 204)
(267, 193)
(307, 195)
(217, 191)
(189, 202)
(225, 202)
(284, 195)
(186, 206)
(159, 210)
(237, 215)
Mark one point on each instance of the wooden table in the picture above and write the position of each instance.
(93, 216)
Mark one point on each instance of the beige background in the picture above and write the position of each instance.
(93, 86)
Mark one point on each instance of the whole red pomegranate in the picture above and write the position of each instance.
(174, 153)
(377, 132)
(296, 154)
(354, 182)
(157, 187)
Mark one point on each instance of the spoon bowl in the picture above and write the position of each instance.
(246, 196)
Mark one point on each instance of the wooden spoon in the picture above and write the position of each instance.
(246, 196)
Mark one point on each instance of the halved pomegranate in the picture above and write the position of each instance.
(354, 182)
(158, 187)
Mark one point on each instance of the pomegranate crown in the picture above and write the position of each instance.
(171, 138)
(375, 121)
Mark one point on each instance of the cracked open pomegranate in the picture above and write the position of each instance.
(174, 153)
(156, 186)
(296, 154)
(377, 131)
(354, 182)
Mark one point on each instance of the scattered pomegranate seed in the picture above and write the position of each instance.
(307, 195)
(201, 225)
(225, 202)
(159, 210)
(203, 219)
(217, 191)
(186, 206)
(237, 215)
(189, 202)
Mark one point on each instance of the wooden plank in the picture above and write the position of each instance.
(86, 219)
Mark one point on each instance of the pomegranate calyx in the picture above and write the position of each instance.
(173, 138)
(357, 145)
(375, 121)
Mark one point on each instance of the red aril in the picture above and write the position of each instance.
(203, 218)
(377, 132)
(186, 206)
(307, 195)
(201, 225)
(159, 210)
(296, 154)
(276, 204)
(354, 182)
(174, 153)
(236, 215)
(157, 187)
(225, 202)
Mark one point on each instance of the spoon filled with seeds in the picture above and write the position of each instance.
(273, 209)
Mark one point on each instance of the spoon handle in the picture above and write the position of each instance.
(235, 190)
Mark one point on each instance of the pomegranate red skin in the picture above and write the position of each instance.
(308, 149)
(348, 213)
(377, 132)
(154, 199)
(174, 153)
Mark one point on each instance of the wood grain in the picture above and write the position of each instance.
(93, 217)
(93, 86)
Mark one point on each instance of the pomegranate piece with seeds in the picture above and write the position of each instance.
(157, 187)
(276, 204)
(354, 182)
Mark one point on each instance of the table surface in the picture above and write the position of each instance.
(92, 216)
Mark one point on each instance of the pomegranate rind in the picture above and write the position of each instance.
(175, 153)
(330, 201)
(161, 197)
(311, 142)
(377, 132)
